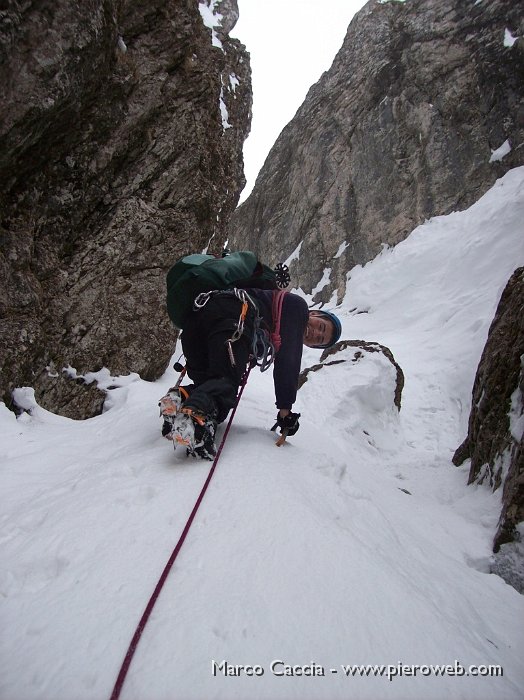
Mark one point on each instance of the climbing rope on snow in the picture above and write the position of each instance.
(150, 605)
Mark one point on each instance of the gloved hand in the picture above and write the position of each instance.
(289, 423)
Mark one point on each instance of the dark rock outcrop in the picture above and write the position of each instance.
(362, 347)
(401, 128)
(121, 132)
(496, 423)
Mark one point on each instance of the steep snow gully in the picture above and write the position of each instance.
(358, 543)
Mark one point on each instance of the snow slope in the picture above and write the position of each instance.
(358, 542)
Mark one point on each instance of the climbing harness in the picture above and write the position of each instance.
(202, 299)
(150, 605)
(262, 349)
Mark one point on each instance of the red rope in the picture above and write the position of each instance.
(149, 607)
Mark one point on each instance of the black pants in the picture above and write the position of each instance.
(208, 362)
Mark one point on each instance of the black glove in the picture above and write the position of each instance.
(288, 423)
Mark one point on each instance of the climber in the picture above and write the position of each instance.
(216, 359)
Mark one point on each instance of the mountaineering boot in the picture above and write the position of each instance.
(169, 407)
(205, 438)
(196, 432)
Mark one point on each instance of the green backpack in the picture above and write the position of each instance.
(194, 274)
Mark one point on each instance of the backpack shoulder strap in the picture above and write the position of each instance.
(276, 313)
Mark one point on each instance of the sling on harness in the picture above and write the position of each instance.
(266, 345)
(276, 313)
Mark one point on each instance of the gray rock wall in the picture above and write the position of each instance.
(114, 161)
(495, 442)
(401, 128)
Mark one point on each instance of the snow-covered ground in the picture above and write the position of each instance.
(357, 542)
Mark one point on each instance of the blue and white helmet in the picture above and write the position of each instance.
(337, 327)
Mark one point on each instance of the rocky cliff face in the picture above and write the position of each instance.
(496, 424)
(121, 132)
(401, 128)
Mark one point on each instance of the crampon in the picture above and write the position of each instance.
(195, 432)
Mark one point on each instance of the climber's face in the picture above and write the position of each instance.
(319, 330)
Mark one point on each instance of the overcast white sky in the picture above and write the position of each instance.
(291, 42)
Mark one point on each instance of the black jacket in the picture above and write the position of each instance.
(293, 322)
